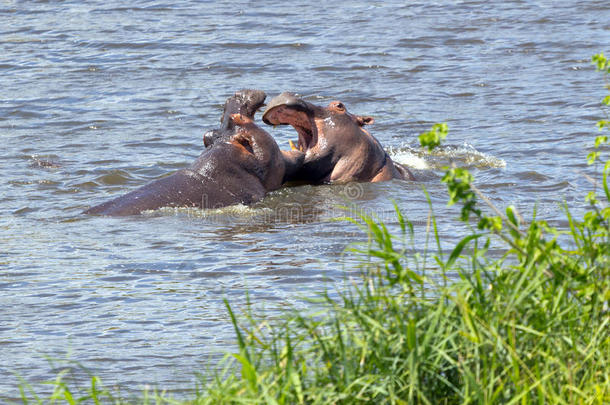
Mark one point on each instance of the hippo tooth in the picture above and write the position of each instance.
(292, 147)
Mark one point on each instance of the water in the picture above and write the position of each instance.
(99, 98)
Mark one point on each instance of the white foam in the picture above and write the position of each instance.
(232, 211)
(472, 157)
(464, 155)
(410, 159)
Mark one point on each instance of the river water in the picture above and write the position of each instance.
(98, 98)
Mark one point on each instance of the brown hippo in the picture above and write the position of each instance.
(337, 147)
(243, 164)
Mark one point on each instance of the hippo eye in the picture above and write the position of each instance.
(337, 105)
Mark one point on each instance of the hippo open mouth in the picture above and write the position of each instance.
(287, 108)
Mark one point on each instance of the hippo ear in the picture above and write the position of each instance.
(244, 140)
(364, 120)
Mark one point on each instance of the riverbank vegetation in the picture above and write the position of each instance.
(531, 325)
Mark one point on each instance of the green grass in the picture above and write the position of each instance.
(530, 327)
(536, 331)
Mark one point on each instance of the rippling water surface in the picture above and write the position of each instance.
(98, 98)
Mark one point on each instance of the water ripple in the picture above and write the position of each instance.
(99, 98)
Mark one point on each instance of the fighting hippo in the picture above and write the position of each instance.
(337, 147)
(243, 163)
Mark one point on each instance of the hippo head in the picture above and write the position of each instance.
(244, 102)
(259, 150)
(260, 154)
(331, 138)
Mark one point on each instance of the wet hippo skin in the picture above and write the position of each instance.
(240, 165)
(337, 147)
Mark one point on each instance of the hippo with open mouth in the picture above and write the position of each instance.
(337, 147)
(242, 163)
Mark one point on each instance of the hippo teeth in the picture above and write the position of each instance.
(293, 147)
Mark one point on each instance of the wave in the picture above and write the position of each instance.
(229, 212)
(464, 155)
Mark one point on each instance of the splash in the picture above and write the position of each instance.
(408, 157)
(464, 155)
(232, 211)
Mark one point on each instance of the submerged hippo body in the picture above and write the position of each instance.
(242, 164)
(337, 148)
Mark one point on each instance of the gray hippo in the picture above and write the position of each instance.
(241, 164)
(337, 147)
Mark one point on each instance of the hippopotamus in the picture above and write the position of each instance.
(240, 167)
(337, 147)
